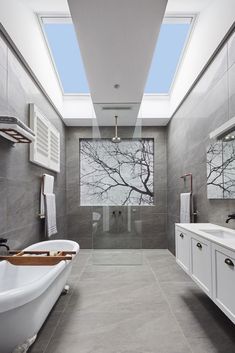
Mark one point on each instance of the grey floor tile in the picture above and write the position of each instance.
(167, 270)
(155, 253)
(117, 273)
(208, 325)
(212, 345)
(153, 308)
(46, 332)
(186, 296)
(116, 297)
(134, 332)
(62, 301)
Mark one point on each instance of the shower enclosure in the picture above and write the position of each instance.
(116, 181)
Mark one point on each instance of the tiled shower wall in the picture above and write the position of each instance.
(20, 179)
(153, 217)
(210, 104)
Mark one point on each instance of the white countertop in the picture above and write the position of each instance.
(200, 229)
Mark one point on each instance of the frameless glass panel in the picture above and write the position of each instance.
(66, 55)
(171, 42)
(117, 224)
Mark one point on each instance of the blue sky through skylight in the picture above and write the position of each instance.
(171, 41)
(67, 57)
(66, 54)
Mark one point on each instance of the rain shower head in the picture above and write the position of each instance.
(116, 138)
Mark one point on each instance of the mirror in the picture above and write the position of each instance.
(221, 168)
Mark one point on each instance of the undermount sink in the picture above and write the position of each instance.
(219, 233)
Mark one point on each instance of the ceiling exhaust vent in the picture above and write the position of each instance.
(116, 107)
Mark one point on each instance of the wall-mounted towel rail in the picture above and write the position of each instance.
(191, 180)
(193, 212)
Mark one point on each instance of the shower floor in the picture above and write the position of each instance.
(124, 257)
(150, 308)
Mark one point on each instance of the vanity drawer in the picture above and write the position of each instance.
(182, 249)
(201, 263)
(224, 279)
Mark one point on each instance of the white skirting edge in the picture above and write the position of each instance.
(23, 348)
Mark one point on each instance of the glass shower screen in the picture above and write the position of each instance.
(112, 174)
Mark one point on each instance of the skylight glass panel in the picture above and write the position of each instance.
(170, 45)
(66, 55)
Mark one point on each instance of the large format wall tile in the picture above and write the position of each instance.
(231, 51)
(3, 54)
(231, 74)
(151, 219)
(19, 178)
(209, 104)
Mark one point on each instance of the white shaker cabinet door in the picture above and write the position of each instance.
(201, 263)
(182, 249)
(223, 265)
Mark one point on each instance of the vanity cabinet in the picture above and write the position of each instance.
(224, 279)
(209, 264)
(201, 263)
(182, 249)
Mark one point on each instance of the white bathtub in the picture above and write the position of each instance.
(28, 293)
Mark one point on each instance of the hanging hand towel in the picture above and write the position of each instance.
(50, 214)
(47, 187)
(185, 207)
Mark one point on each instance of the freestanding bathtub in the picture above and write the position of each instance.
(28, 293)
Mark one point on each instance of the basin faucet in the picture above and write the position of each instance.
(230, 216)
(3, 243)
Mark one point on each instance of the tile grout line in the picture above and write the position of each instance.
(59, 320)
(168, 303)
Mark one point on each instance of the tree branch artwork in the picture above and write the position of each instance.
(221, 170)
(116, 174)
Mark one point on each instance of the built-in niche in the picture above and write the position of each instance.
(116, 173)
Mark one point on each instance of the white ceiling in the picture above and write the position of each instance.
(184, 6)
(55, 6)
(117, 40)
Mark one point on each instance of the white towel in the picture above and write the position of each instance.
(47, 187)
(185, 207)
(50, 214)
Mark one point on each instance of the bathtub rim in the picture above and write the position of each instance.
(13, 298)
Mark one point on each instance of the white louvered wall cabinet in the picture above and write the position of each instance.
(45, 150)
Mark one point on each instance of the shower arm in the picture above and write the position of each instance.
(116, 135)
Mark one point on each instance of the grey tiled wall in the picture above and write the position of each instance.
(153, 217)
(210, 104)
(20, 179)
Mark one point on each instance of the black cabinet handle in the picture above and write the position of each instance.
(229, 262)
(181, 235)
(199, 245)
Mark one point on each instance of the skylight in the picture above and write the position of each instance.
(168, 52)
(63, 46)
(65, 52)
